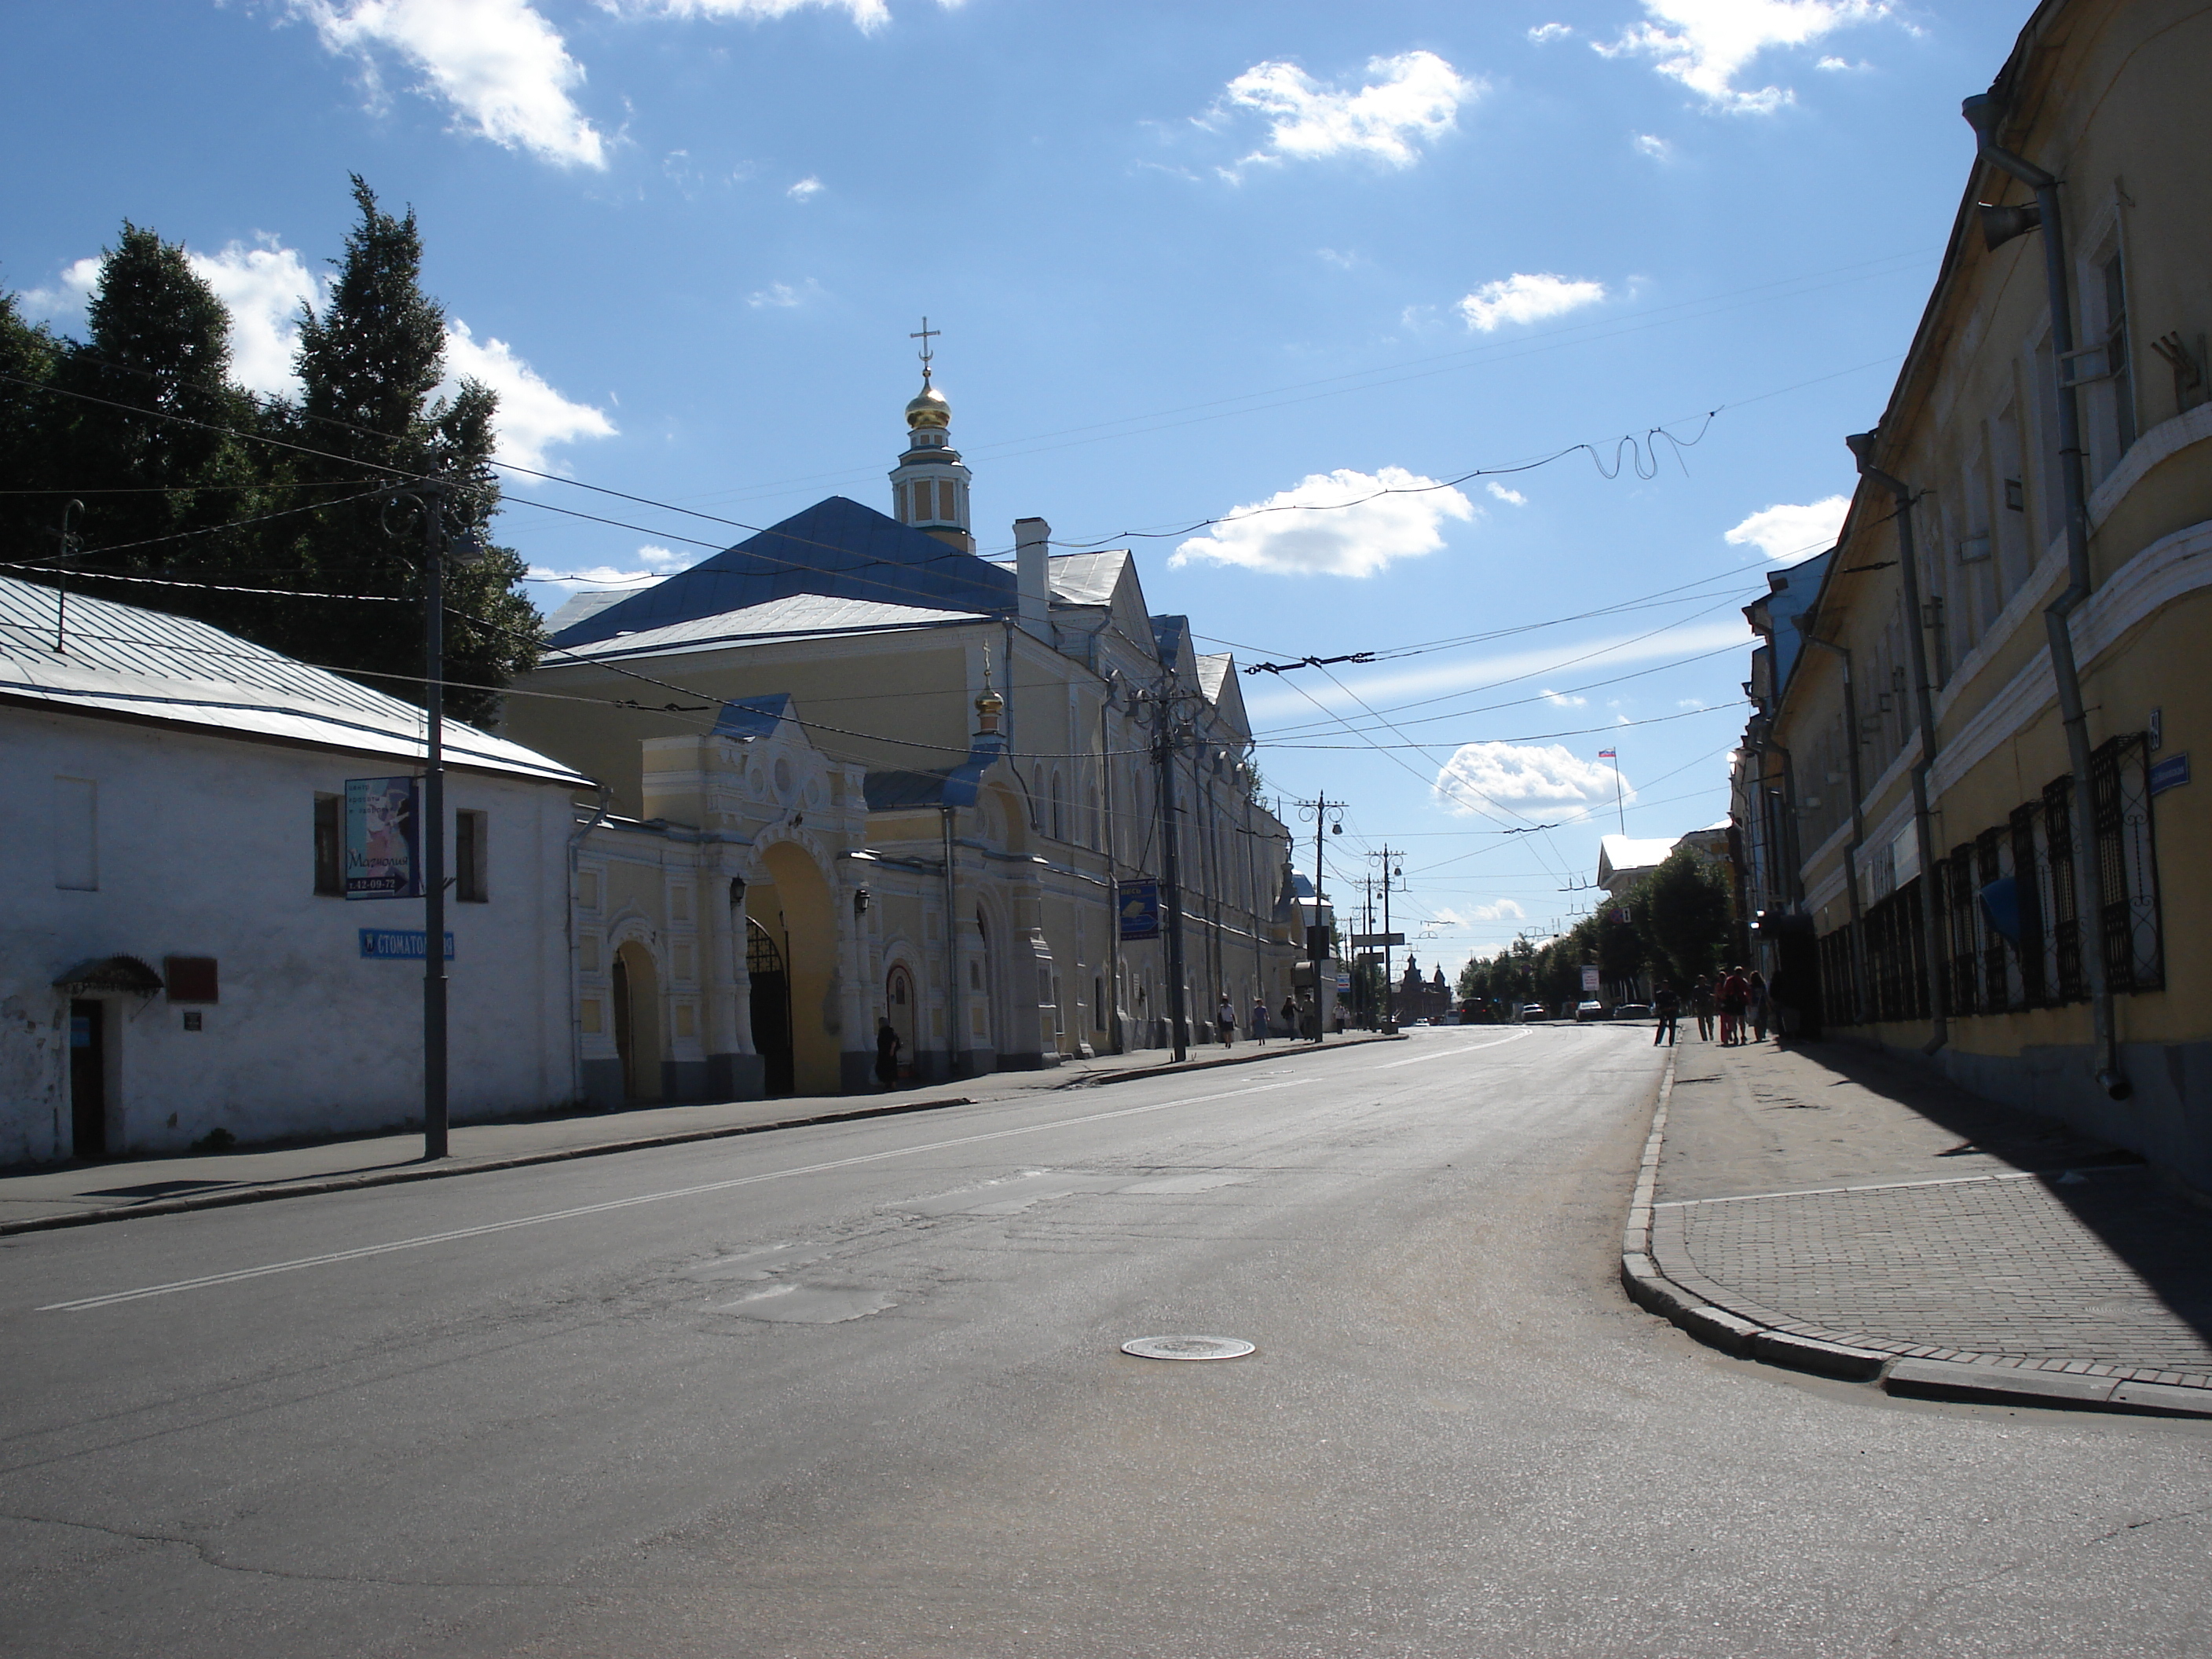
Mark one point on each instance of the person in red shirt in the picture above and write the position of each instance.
(1734, 993)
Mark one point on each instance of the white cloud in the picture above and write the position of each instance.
(1784, 532)
(1652, 145)
(1510, 497)
(502, 68)
(805, 190)
(64, 302)
(650, 566)
(782, 296)
(868, 14)
(1527, 298)
(1352, 540)
(1413, 100)
(1706, 44)
(1562, 700)
(1544, 33)
(262, 287)
(1834, 65)
(1529, 778)
(533, 417)
(1502, 910)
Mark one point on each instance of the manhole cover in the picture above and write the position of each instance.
(1188, 1347)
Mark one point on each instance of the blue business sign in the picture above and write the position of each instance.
(397, 945)
(1141, 909)
(2169, 773)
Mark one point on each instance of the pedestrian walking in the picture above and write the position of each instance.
(887, 1043)
(1756, 1008)
(1225, 1022)
(1668, 1005)
(1734, 992)
(1290, 1015)
(1701, 1005)
(1260, 1020)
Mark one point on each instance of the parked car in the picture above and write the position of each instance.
(1532, 1011)
(1632, 1010)
(1587, 1009)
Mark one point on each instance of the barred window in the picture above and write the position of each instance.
(2026, 863)
(2062, 957)
(2120, 797)
(1997, 988)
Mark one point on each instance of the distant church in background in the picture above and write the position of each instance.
(855, 775)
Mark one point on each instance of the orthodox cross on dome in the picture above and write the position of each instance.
(925, 334)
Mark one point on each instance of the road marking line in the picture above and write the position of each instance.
(355, 1254)
(1457, 1048)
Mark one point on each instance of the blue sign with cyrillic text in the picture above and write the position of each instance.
(397, 944)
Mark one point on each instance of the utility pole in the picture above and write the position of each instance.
(429, 497)
(1317, 935)
(1389, 984)
(433, 830)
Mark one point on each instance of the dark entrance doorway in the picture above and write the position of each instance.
(625, 1041)
(88, 1078)
(771, 1008)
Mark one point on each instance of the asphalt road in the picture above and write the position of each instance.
(857, 1391)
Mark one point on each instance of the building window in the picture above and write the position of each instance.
(330, 845)
(2116, 358)
(77, 835)
(1058, 807)
(471, 838)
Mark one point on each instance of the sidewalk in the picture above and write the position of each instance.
(79, 1195)
(1838, 1210)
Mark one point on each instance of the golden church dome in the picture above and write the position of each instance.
(928, 409)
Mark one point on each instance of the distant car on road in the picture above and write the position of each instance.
(1532, 1011)
(1632, 1010)
(1588, 1009)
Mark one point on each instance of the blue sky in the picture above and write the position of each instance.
(1188, 259)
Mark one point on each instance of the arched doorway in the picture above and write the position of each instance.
(795, 895)
(771, 1008)
(899, 1008)
(636, 997)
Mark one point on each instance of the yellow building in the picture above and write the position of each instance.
(856, 774)
(1968, 791)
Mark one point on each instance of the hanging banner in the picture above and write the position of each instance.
(380, 852)
(1139, 902)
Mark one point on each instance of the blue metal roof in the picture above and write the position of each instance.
(748, 718)
(835, 547)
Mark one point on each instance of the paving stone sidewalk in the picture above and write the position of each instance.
(75, 1194)
(1841, 1210)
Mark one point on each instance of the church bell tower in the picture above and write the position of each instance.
(929, 486)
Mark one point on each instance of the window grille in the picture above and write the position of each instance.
(2120, 797)
(2028, 881)
(2064, 958)
(1997, 994)
(1955, 883)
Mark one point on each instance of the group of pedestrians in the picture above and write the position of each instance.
(1740, 1002)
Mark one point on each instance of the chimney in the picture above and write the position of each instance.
(1033, 575)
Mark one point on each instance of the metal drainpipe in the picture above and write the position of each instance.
(1858, 828)
(1923, 706)
(955, 1007)
(1982, 114)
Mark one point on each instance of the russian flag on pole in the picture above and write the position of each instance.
(1607, 754)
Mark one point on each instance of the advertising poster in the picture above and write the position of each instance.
(381, 859)
(1141, 909)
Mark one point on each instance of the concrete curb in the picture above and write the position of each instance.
(409, 1173)
(1919, 1372)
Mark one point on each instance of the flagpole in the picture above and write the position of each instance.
(1619, 804)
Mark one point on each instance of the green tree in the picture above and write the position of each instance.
(371, 364)
(29, 356)
(1682, 911)
(141, 430)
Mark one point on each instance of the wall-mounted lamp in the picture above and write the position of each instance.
(737, 892)
(859, 900)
